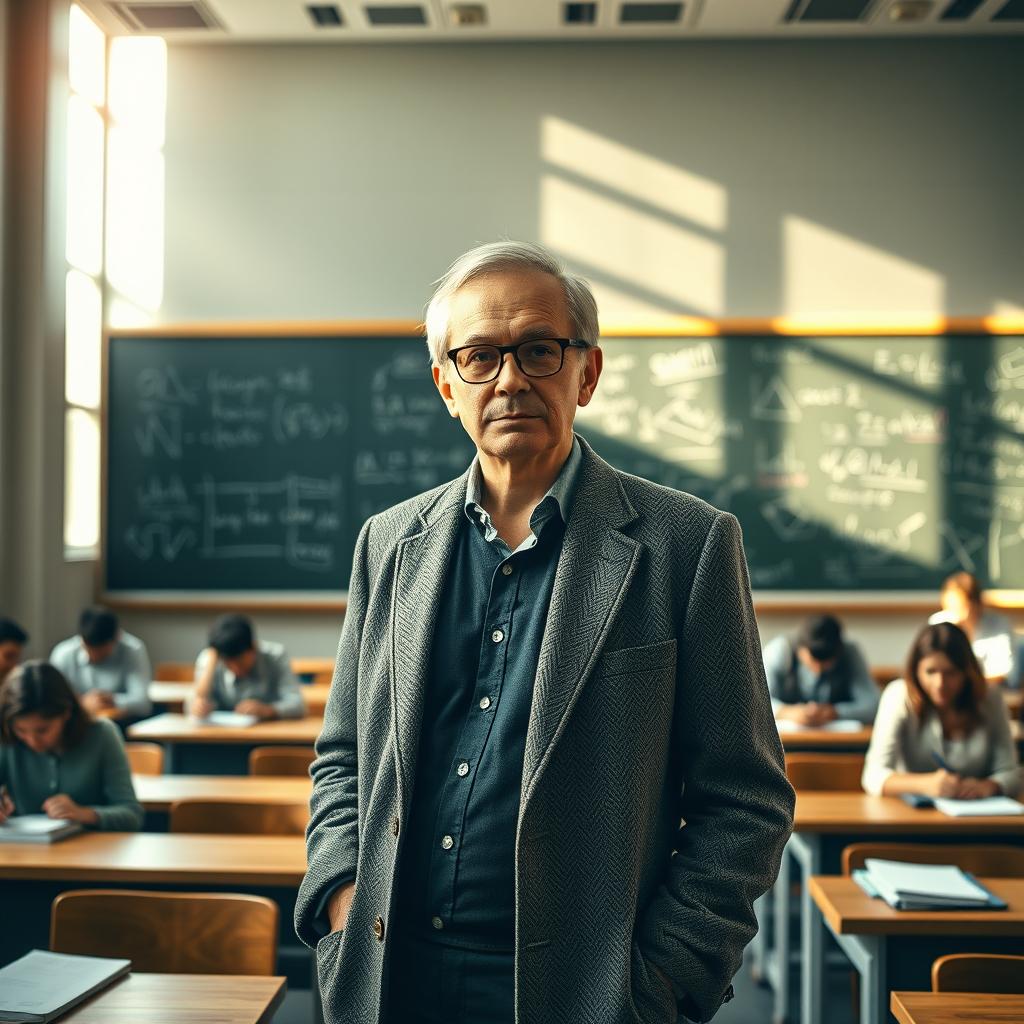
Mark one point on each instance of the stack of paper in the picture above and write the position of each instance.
(925, 886)
(988, 806)
(36, 828)
(838, 725)
(231, 719)
(41, 986)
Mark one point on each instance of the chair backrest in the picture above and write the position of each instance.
(836, 772)
(145, 758)
(280, 760)
(980, 859)
(979, 972)
(175, 672)
(169, 932)
(314, 670)
(885, 674)
(225, 817)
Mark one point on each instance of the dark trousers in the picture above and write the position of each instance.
(433, 984)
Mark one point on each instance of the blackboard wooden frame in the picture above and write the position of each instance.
(781, 602)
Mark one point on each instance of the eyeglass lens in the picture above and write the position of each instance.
(483, 362)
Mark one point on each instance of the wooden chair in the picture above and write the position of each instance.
(885, 674)
(226, 817)
(169, 932)
(979, 972)
(981, 859)
(145, 758)
(175, 672)
(315, 670)
(280, 760)
(836, 772)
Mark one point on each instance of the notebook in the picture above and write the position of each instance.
(36, 828)
(925, 886)
(41, 985)
(987, 806)
(230, 719)
(839, 725)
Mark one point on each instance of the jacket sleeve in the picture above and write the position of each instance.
(885, 751)
(121, 810)
(135, 699)
(289, 702)
(1005, 763)
(736, 803)
(863, 702)
(332, 836)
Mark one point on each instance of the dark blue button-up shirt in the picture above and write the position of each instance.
(456, 879)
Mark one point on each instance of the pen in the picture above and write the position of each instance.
(941, 762)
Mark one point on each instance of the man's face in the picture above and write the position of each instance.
(99, 652)
(515, 416)
(241, 664)
(816, 665)
(10, 655)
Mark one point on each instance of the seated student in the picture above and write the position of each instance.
(12, 645)
(817, 676)
(107, 667)
(941, 730)
(235, 673)
(990, 633)
(56, 760)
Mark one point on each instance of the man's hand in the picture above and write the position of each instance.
(97, 700)
(62, 806)
(794, 713)
(820, 714)
(338, 906)
(977, 789)
(6, 805)
(200, 707)
(256, 707)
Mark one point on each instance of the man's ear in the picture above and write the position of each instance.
(593, 361)
(445, 389)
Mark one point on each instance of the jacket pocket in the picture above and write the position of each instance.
(636, 660)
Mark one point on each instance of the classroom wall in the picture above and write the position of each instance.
(821, 178)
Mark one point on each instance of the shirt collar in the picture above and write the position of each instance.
(560, 492)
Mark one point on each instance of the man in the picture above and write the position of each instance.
(818, 677)
(235, 673)
(107, 667)
(545, 665)
(12, 645)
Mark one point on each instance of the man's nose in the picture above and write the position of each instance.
(511, 380)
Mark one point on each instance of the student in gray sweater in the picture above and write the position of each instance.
(56, 760)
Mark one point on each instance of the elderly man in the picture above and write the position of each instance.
(546, 664)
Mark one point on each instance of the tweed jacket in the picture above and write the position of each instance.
(654, 805)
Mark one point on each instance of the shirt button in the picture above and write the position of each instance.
(485, 703)
(506, 569)
(378, 929)
(497, 636)
(447, 843)
(437, 923)
(463, 768)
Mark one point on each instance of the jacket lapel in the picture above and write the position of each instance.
(594, 572)
(419, 578)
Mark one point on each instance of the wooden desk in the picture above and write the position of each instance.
(955, 1007)
(824, 741)
(183, 998)
(171, 696)
(227, 749)
(863, 927)
(825, 822)
(158, 792)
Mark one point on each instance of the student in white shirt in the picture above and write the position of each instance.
(106, 667)
(990, 633)
(941, 730)
(238, 673)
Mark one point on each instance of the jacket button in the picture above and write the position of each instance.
(395, 826)
(378, 929)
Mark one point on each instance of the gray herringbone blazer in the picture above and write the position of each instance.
(649, 706)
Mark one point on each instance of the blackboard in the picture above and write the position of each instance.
(245, 464)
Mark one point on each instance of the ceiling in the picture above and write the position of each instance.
(360, 21)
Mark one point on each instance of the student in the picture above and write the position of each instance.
(817, 676)
(990, 633)
(107, 667)
(235, 673)
(56, 760)
(941, 730)
(12, 645)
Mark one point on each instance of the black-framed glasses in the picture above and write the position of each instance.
(542, 357)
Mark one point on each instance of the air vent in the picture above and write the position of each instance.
(325, 15)
(829, 10)
(467, 15)
(1012, 10)
(400, 16)
(960, 10)
(165, 17)
(632, 14)
(579, 14)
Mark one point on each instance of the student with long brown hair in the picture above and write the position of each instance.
(941, 731)
(56, 760)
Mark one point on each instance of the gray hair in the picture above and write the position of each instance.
(485, 259)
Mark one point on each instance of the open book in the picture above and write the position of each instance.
(838, 725)
(987, 806)
(41, 985)
(230, 719)
(36, 828)
(925, 886)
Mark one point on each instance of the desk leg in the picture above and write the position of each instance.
(781, 972)
(807, 849)
(170, 759)
(758, 948)
(867, 953)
